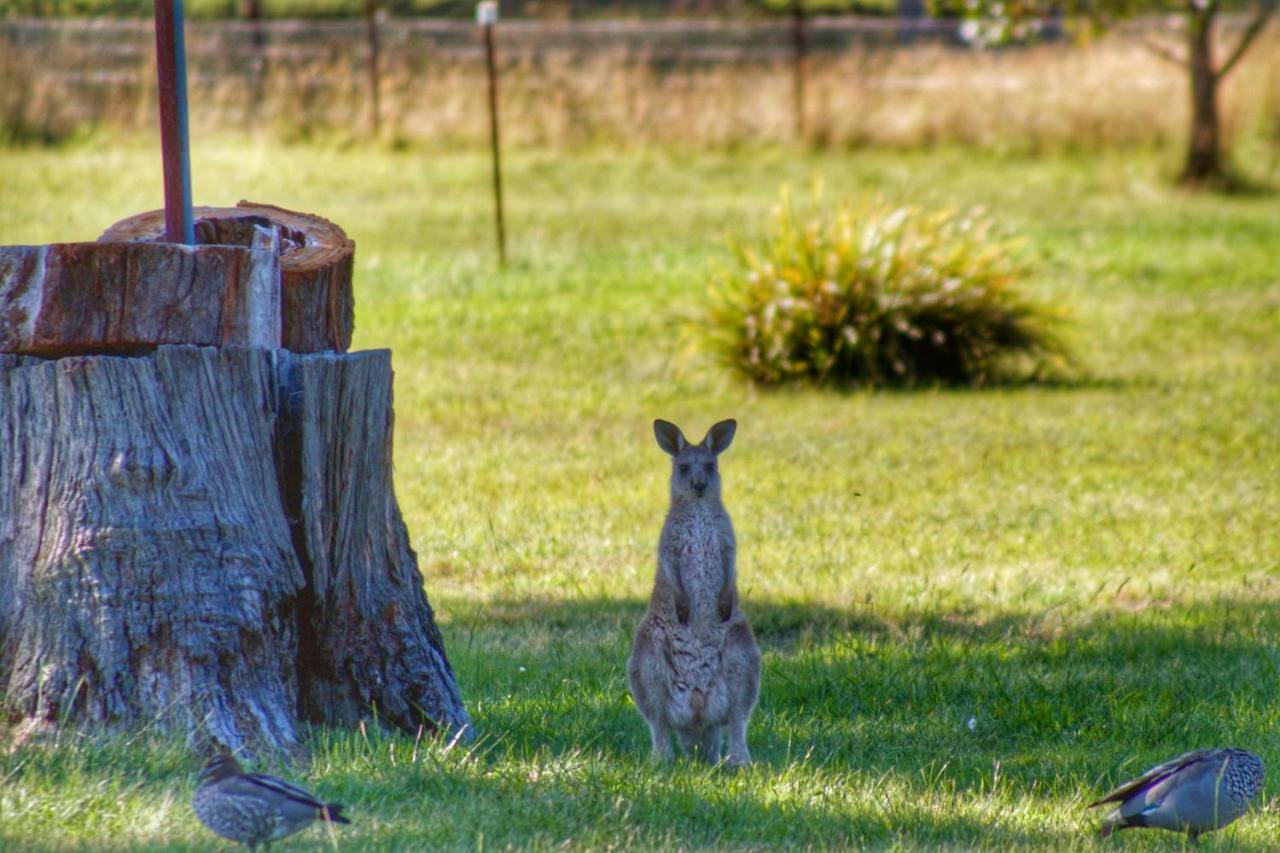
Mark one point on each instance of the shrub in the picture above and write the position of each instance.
(877, 295)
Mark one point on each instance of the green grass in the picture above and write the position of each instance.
(1090, 572)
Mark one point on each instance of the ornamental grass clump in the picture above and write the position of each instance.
(879, 295)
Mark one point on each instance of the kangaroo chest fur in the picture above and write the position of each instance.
(693, 549)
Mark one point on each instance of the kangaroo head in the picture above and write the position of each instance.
(694, 472)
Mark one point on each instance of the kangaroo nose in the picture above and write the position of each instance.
(700, 487)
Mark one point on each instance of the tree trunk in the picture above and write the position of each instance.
(1204, 157)
(369, 638)
(206, 541)
(143, 573)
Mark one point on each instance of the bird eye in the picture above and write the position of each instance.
(684, 469)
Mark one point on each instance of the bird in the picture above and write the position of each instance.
(1196, 792)
(253, 808)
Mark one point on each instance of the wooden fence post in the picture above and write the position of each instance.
(375, 77)
(487, 18)
(798, 63)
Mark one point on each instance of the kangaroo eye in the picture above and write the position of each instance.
(711, 467)
(684, 469)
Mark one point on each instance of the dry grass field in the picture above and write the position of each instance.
(1111, 92)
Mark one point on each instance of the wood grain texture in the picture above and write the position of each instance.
(208, 541)
(317, 262)
(144, 577)
(75, 298)
(369, 638)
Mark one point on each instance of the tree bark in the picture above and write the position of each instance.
(369, 638)
(316, 265)
(143, 576)
(206, 541)
(1204, 156)
(69, 298)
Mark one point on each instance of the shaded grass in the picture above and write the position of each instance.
(1088, 571)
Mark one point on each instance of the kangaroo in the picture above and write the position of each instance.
(695, 666)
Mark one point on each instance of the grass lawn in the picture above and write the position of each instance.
(978, 609)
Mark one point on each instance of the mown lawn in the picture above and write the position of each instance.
(979, 609)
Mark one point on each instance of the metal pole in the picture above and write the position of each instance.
(171, 74)
(798, 65)
(252, 10)
(371, 29)
(487, 24)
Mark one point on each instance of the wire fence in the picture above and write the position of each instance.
(892, 81)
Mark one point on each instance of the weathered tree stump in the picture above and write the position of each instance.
(201, 539)
(369, 638)
(143, 572)
(130, 297)
(316, 263)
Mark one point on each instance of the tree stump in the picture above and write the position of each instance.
(143, 573)
(129, 297)
(316, 264)
(369, 637)
(200, 539)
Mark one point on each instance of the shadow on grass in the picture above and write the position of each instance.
(940, 729)
(1076, 379)
(937, 729)
(685, 807)
(1044, 698)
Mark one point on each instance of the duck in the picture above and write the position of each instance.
(1197, 792)
(253, 808)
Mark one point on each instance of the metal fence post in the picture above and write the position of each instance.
(487, 18)
(171, 74)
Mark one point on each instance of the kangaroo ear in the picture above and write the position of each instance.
(669, 437)
(720, 436)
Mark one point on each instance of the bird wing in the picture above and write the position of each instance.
(263, 783)
(1155, 776)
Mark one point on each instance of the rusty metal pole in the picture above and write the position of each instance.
(798, 51)
(487, 17)
(171, 76)
(371, 30)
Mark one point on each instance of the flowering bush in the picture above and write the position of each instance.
(880, 295)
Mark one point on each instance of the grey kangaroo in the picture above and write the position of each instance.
(694, 666)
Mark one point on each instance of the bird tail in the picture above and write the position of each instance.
(1116, 823)
(332, 813)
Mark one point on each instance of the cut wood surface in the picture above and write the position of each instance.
(207, 541)
(316, 263)
(75, 298)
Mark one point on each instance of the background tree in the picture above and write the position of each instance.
(996, 22)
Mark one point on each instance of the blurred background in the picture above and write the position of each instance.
(639, 73)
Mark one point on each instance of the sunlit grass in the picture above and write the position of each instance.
(978, 609)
